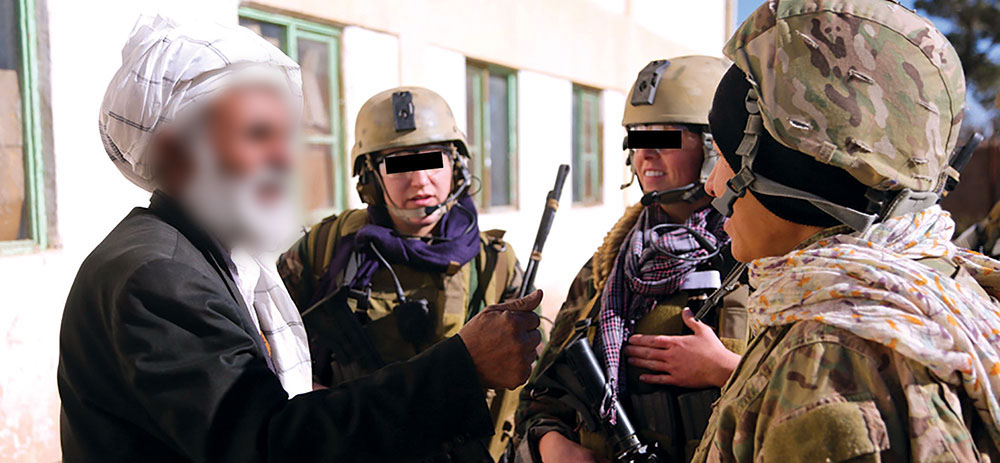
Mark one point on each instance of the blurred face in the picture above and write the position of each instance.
(250, 131)
(666, 169)
(242, 162)
(755, 231)
(415, 189)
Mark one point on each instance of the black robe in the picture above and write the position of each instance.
(160, 361)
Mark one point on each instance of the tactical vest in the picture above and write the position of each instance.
(655, 409)
(453, 299)
(673, 417)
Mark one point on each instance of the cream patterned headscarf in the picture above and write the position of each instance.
(872, 285)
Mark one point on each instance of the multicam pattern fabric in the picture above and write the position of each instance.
(812, 392)
(642, 275)
(873, 285)
(865, 85)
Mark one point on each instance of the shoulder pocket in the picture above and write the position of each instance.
(828, 432)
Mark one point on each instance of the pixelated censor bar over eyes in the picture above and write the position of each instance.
(414, 162)
(653, 139)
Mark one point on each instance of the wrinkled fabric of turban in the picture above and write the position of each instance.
(167, 66)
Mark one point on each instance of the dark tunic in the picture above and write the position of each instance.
(160, 361)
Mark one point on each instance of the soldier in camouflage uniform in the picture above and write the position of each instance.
(983, 236)
(875, 340)
(417, 241)
(670, 98)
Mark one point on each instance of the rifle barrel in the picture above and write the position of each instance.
(544, 227)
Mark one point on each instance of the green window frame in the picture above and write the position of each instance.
(31, 130)
(292, 31)
(588, 153)
(480, 78)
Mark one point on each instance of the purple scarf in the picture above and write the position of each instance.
(459, 245)
(642, 276)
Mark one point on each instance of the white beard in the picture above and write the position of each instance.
(229, 210)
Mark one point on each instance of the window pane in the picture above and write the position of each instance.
(314, 57)
(587, 179)
(14, 222)
(499, 141)
(273, 33)
(317, 177)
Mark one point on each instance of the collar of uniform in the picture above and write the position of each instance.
(824, 233)
(170, 211)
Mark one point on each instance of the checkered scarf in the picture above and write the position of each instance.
(642, 276)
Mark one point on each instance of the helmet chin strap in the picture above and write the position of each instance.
(895, 203)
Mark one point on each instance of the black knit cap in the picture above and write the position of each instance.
(778, 162)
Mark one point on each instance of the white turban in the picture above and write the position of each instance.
(167, 66)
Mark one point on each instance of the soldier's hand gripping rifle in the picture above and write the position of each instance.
(544, 227)
(577, 379)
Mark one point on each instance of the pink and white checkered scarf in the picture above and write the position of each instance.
(642, 276)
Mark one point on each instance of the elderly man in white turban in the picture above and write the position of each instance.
(174, 348)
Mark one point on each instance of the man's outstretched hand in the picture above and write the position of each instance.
(502, 341)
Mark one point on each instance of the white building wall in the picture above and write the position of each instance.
(679, 20)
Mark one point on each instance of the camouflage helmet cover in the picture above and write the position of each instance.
(375, 129)
(865, 85)
(683, 95)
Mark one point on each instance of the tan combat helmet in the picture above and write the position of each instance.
(403, 117)
(887, 108)
(676, 91)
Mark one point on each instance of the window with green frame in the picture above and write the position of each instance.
(491, 106)
(22, 206)
(316, 47)
(588, 178)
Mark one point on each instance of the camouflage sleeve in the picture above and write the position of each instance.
(538, 416)
(514, 276)
(295, 269)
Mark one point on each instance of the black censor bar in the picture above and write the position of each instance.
(653, 139)
(414, 162)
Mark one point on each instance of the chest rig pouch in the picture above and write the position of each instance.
(413, 316)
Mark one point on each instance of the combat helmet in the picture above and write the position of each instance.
(868, 86)
(674, 91)
(405, 117)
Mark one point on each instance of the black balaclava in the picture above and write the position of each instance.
(778, 162)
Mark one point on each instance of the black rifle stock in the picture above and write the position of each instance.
(576, 378)
(544, 227)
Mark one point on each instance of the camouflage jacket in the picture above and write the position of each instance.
(812, 392)
(538, 416)
(983, 235)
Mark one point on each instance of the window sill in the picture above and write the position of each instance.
(19, 247)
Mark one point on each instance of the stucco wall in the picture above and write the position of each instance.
(552, 43)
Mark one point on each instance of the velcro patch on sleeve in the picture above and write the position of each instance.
(828, 432)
